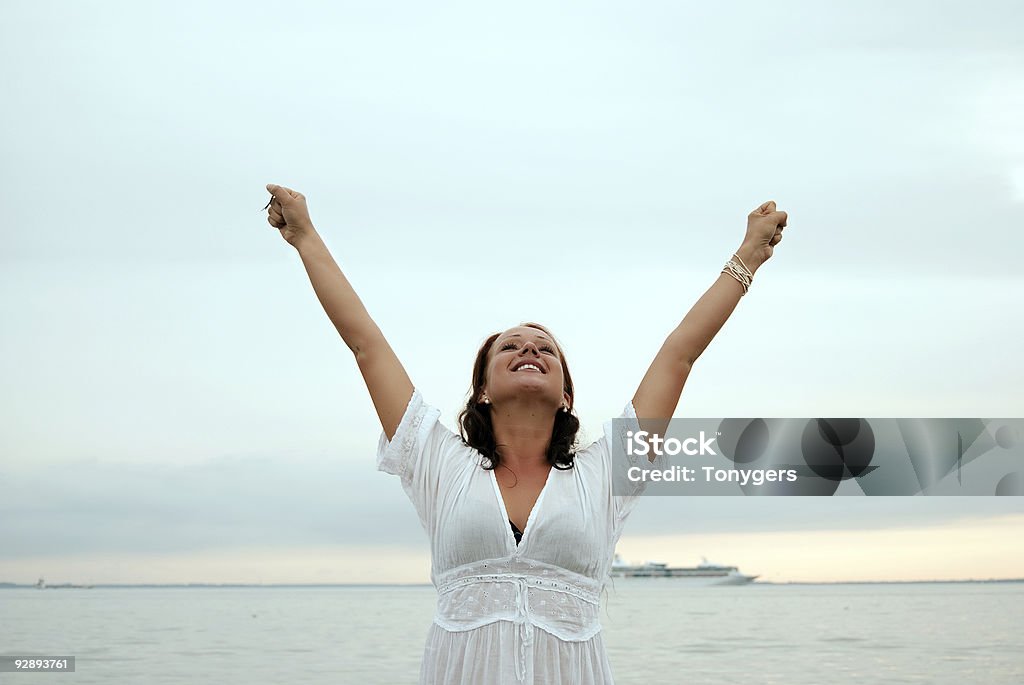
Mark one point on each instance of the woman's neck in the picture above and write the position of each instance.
(522, 433)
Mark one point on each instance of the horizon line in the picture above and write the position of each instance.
(69, 586)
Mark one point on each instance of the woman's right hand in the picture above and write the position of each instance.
(288, 213)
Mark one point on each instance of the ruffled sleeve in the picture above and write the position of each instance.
(417, 454)
(625, 469)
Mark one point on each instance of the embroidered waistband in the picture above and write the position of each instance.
(528, 573)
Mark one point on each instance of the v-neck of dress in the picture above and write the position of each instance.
(509, 535)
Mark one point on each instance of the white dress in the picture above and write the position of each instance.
(509, 614)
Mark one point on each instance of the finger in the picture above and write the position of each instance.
(778, 218)
(766, 208)
(280, 193)
(275, 215)
(275, 224)
(776, 239)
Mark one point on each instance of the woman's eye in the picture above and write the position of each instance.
(513, 346)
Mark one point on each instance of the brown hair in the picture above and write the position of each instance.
(475, 419)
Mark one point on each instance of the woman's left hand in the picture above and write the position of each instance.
(764, 231)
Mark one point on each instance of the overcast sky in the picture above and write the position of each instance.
(178, 408)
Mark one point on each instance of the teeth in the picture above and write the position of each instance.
(528, 366)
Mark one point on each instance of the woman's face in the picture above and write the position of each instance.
(525, 361)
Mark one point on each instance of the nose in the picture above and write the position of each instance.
(530, 347)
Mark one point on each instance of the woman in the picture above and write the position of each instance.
(522, 524)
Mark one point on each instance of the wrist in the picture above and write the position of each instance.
(752, 255)
(304, 238)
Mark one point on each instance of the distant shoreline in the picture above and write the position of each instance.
(13, 586)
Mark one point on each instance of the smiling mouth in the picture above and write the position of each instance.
(528, 366)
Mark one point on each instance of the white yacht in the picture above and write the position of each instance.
(704, 573)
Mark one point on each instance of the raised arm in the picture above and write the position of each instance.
(659, 391)
(385, 377)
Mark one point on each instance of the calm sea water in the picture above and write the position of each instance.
(656, 632)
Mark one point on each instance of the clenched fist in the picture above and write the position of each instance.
(287, 211)
(764, 230)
